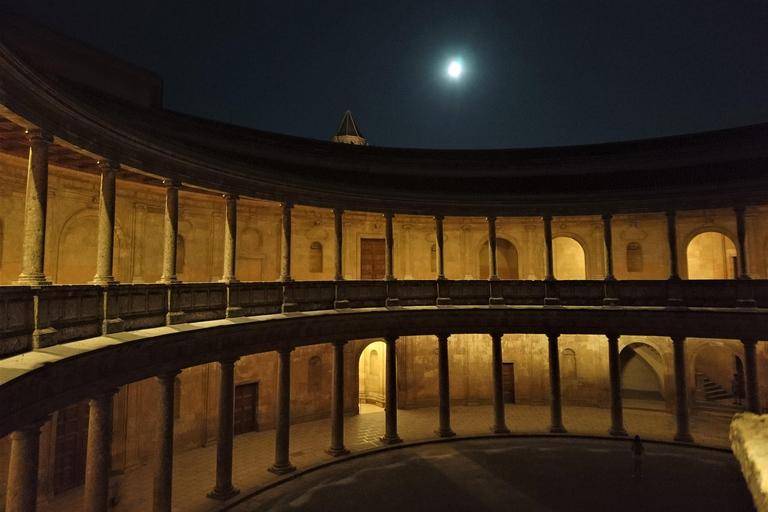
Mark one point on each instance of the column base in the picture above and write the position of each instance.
(289, 307)
(683, 438)
(496, 301)
(500, 429)
(392, 303)
(341, 304)
(37, 280)
(164, 280)
(443, 301)
(223, 495)
(445, 433)
(228, 280)
(618, 432)
(282, 470)
(337, 452)
(104, 281)
(389, 440)
(557, 429)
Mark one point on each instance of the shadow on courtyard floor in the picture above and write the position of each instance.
(518, 474)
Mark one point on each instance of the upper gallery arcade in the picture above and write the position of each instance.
(311, 276)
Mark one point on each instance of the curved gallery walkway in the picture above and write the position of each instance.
(536, 474)
(194, 471)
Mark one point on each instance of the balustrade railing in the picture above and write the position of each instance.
(38, 317)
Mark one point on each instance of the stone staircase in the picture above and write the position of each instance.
(717, 400)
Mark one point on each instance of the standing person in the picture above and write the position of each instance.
(637, 457)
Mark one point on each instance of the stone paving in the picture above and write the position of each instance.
(194, 471)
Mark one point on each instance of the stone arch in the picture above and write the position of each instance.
(569, 257)
(371, 367)
(507, 259)
(642, 372)
(716, 360)
(705, 261)
(77, 249)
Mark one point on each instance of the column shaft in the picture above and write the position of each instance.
(223, 489)
(614, 370)
(492, 268)
(35, 208)
(171, 231)
(741, 233)
(550, 273)
(282, 463)
(99, 454)
(164, 444)
(337, 402)
(440, 260)
(750, 370)
(608, 238)
(681, 391)
(22, 469)
(674, 274)
(556, 410)
(389, 249)
(230, 240)
(337, 254)
(390, 408)
(106, 236)
(285, 244)
(444, 390)
(499, 422)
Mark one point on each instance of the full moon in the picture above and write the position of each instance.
(454, 69)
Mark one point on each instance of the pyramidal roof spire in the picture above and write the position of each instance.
(348, 133)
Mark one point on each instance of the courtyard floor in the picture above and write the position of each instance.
(194, 471)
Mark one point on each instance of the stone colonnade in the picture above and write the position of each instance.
(23, 465)
(35, 214)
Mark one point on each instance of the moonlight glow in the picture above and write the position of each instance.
(454, 69)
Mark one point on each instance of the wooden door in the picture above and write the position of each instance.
(246, 408)
(372, 258)
(71, 444)
(508, 382)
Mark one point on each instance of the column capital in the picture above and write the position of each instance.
(547, 217)
(168, 377)
(105, 395)
(498, 335)
(748, 342)
(108, 166)
(284, 351)
(391, 338)
(172, 184)
(38, 135)
(677, 339)
(740, 209)
(607, 216)
(440, 217)
(32, 428)
(286, 206)
(338, 211)
(230, 196)
(389, 215)
(670, 213)
(443, 336)
(230, 361)
(552, 335)
(613, 337)
(339, 343)
(490, 218)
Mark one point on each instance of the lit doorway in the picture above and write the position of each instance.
(371, 373)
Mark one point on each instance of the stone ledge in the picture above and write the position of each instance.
(749, 442)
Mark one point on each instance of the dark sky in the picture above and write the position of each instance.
(537, 72)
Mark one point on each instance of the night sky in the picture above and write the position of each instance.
(536, 73)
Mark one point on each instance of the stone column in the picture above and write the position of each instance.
(285, 244)
(681, 391)
(230, 240)
(674, 274)
(492, 269)
(750, 371)
(499, 422)
(389, 249)
(614, 370)
(99, 454)
(549, 271)
(282, 464)
(608, 238)
(22, 469)
(164, 444)
(556, 409)
(223, 490)
(337, 254)
(106, 237)
(337, 402)
(741, 233)
(390, 408)
(35, 207)
(444, 387)
(171, 231)
(440, 260)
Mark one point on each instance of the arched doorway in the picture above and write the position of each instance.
(568, 258)
(371, 371)
(506, 260)
(719, 375)
(712, 255)
(641, 369)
